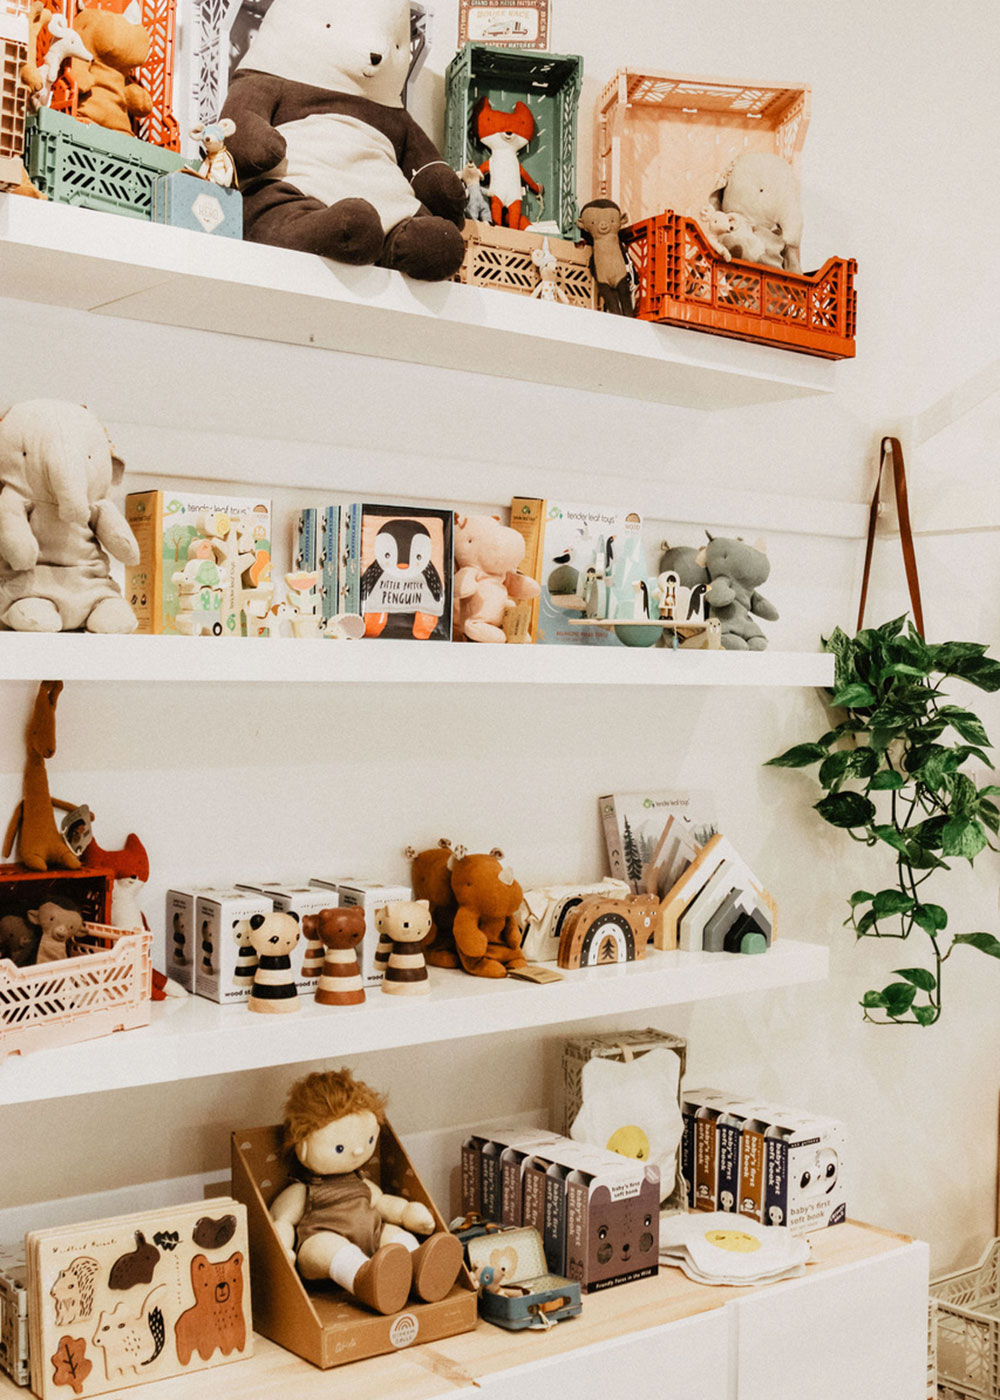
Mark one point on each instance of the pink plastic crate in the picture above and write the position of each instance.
(79, 998)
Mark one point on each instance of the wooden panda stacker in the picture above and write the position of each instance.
(273, 936)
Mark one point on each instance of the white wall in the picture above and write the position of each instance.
(310, 779)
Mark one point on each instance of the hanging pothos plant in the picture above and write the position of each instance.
(892, 774)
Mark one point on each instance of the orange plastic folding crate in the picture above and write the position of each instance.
(682, 282)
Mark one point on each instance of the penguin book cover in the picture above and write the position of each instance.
(397, 570)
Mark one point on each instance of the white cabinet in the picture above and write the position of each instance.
(658, 1338)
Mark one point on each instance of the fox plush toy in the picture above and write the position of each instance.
(505, 135)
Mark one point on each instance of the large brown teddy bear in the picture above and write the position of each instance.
(108, 96)
(328, 159)
(430, 877)
(487, 936)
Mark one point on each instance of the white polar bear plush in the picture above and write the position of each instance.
(328, 159)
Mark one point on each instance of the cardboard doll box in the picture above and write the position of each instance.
(225, 959)
(322, 1323)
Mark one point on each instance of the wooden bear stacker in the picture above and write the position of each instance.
(41, 845)
(339, 932)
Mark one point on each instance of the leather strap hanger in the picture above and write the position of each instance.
(892, 448)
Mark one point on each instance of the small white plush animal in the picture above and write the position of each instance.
(218, 165)
(547, 288)
(66, 43)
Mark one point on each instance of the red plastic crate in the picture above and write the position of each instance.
(682, 282)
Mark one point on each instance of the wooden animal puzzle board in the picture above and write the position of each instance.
(141, 1297)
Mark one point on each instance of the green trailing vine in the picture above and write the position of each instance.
(892, 773)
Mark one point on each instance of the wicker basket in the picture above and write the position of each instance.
(58, 1003)
(622, 1046)
(501, 258)
(967, 1305)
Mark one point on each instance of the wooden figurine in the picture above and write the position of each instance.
(41, 845)
(273, 936)
(603, 930)
(340, 931)
(303, 602)
(404, 926)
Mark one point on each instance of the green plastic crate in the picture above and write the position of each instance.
(78, 163)
(550, 85)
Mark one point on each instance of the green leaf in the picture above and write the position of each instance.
(853, 697)
(860, 897)
(899, 997)
(945, 655)
(865, 923)
(846, 809)
(903, 668)
(930, 917)
(892, 629)
(873, 1000)
(990, 790)
(965, 723)
(798, 757)
(887, 781)
(847, 763)
(892, 837)
(985, 942)
(979, 671)
(990, 814)
(963, 837)
(925, 1015)
(919, 976)
(889, 902)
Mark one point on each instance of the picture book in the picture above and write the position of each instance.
(653, 836)
(396, 569)
(586, 561)
(139, 1297)
(317, 550)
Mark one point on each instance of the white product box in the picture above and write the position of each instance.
(301, 900)
(804, 1181)
(181, 935)
(222, 919)
(368, 895)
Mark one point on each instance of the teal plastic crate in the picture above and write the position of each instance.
(78, 163)
(550, 85)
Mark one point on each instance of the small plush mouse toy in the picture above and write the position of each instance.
(328, 159)
(335, 1221)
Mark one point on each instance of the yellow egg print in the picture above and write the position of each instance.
(736, 1241)
(630, 1141)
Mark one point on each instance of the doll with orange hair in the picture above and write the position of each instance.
(336, 1222)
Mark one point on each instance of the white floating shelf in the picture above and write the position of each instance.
(77, 258)
(190, 1038)
(75, 656)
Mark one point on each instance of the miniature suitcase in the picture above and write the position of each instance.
(515, 1288)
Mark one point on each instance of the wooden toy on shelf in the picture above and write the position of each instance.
(339, 932)
(717, 905)
(32, 824)
(273, 936)
(403, 927)
(602, 930)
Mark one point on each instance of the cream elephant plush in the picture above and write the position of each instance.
(57, 519)
(764, 189)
